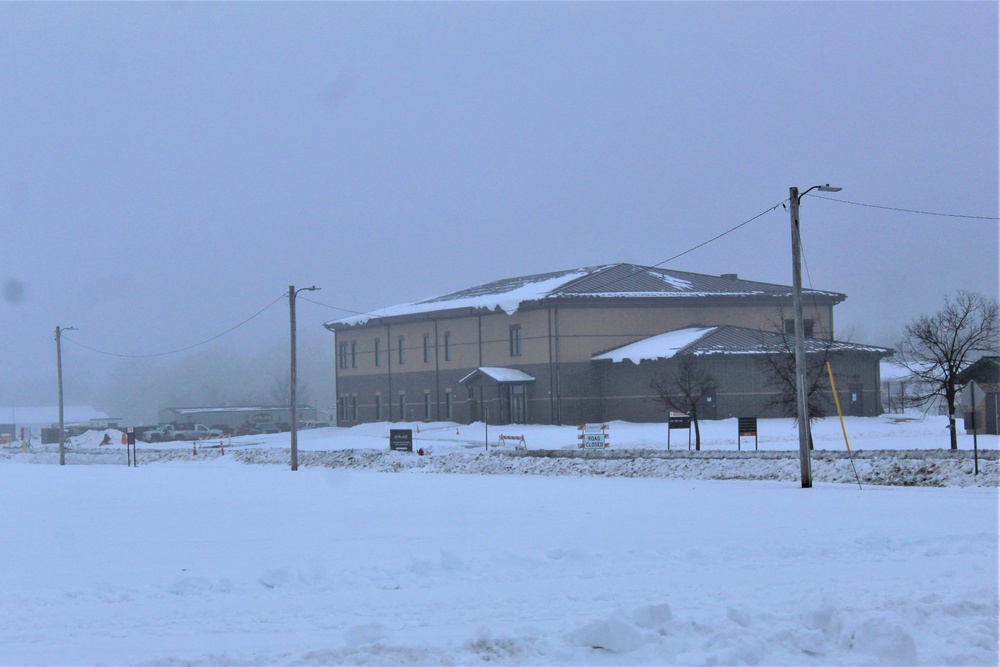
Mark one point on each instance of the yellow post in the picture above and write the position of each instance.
(836, 399)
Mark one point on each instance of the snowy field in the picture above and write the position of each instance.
(207, 560)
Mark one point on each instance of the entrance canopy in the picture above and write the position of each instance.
(507, 376)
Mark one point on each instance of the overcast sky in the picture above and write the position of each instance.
(168, 169)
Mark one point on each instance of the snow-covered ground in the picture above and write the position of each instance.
(206, 559)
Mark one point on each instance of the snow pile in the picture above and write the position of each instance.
(255, 565)
(95, 438)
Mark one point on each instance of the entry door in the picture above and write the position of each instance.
(709, 410)
(518, 405)
(857, 402)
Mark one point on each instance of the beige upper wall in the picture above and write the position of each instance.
(582, 332)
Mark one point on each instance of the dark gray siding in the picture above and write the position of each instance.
(744, 386)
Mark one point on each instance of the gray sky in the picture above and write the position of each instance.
(168, 169)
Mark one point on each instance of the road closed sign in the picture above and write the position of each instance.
(593, 436)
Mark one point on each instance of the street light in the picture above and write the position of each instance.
(295, 419)
(62, 447)
(800, 339)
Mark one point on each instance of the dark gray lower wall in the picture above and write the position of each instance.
(745, 387)
(579, 393)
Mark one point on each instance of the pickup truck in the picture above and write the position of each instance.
(168, 432)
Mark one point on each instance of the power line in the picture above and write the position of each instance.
(326, 305)
(716, 238)
(183, 349)
(908, 210)
(625, 277)
(700, 245)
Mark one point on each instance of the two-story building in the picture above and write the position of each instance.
(523, 350)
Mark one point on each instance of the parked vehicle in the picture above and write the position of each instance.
(168, 432)
(248, 428)
(225, 428)
(268, 427)
(315, 424)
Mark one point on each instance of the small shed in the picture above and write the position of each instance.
(982, 396)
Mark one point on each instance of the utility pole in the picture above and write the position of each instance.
(802, 399)
(294, 408)
(62, 447)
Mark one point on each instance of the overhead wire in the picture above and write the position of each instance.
(907, 210)
(177, 351)
(616, 280)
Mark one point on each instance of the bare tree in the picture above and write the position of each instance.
(280, 390)
(936, 348)
(779, 366)
(684, 388)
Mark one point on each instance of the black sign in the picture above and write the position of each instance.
(747, 426)
(131, 455)
(678, 422)
(401, 440)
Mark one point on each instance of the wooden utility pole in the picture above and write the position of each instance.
(294, 405)
(62, 446)
(294, 425)
(800, 336)
(800, 344)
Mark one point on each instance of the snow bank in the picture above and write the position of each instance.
(255, 565)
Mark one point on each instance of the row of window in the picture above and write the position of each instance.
(348, 352)
(347, 408)
(807, 327)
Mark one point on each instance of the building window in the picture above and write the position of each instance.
(354, 407)
(354, 354)
(427, 406)
(378, 359)
(342, 408)
(378, 407)
(402, 406)
(427, 348)
(807, 325)
(447, 346)
(515, 340)
(343, 355)
(400, 350)
(449, 404)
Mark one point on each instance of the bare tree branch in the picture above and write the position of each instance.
(684, 389)
(936, 348)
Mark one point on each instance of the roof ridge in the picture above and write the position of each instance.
(710, 329)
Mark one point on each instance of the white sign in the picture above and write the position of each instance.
(593, 436)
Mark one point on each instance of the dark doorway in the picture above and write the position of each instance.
(857, 401)
(709, 409)
(518, 404)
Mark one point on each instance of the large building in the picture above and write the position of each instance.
(533, 349)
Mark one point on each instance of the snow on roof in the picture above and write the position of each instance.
(72, 414)
(661, 346)
(607, 281)
(499, 374)
(722, 340)
(507, 295)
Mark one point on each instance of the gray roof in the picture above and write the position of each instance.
(606, 281)
(984, 369)
(500, 375)
(726, 340)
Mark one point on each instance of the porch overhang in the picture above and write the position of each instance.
(504, 376)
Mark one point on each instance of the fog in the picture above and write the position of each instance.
(168, 169)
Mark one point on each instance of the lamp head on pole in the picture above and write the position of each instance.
(828, 188)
